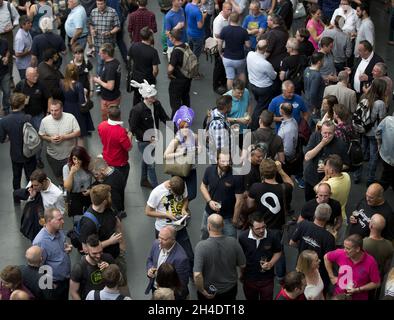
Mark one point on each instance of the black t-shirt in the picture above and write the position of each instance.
(89, 276)
(336, 146)
(252, 177)
(272, 140)
(313, 237)
(235, 38)
(176, 61)
(31, 280)
(144, 57)
(277, 39)
(269, 200)
(111, 71)
(306, 48)
(294, 67)
(365, 214)
(223, 189)
(38, 97)
(50, 78)
(107, 220)
(308, 210)
(3, 53)
(267, 248)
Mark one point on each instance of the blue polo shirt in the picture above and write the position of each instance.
(193, 15)
(53, 253)
(254, 22)
(239, 107)
(171, 20)
(297, 103)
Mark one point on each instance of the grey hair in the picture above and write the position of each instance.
(343, 76)
(323, 212)
(98, 164)
(46, 24)
(286, 84)
(382, 66)
(292, 43)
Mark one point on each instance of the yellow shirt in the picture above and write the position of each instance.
(340, 188)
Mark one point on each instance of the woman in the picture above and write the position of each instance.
(185, 141)
(373, 100)
(77, 181)
(327, 108)
(315, 25)
(305, 47)
(308, 263)
(74, 98)
(11, 280)
(343, 127)
(167, 277)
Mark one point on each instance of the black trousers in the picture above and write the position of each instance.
(60, 290)
(179, 92)
(263, 98)
(29, 166)
(219, 74)
(225, 296)
(124, 170)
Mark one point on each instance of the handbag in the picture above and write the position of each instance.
(87, 106)
(179, 166)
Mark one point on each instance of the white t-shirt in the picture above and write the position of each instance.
(218, 24)
(164, 202)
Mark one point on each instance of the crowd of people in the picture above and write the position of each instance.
(306, 107)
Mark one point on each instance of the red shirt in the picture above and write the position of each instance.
(139, 19)
(282, 295)
(116, 143)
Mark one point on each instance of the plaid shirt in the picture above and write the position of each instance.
(344, 132)
(218, 132)
(139, 19)
(104, 22)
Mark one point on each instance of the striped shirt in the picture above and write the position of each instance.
(104, 22)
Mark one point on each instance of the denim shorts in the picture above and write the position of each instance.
(234, 67)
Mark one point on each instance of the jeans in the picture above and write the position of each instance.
(82, 41)
(147, 170)
(263, 97)
(163, 35)
(6, 90)
(179, 92)
(191, 184)
(29, 166)
(228, 229)
(36, 122)
(100, 62)
(196, 45)
(369, 142)
(120, 42)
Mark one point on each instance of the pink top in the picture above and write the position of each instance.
(364, 272)
(319, 27)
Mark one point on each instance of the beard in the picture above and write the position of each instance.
(224, 168)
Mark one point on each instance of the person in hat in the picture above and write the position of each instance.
(185, 142)
(144, 124)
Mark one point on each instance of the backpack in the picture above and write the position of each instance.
(190, 63)
(75, 233)
(354, 151)
(97, 296)
(31, 140)
(362, 120)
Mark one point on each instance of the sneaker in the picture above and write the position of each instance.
(300, 182)
(165, 51)
(145, 183)
(90, 52)
(40, 164)
(98, 89)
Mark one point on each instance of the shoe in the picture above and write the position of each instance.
(165, 52)
(98, 89)
(300, 182)
(90, 52)
(145, 183)
(40, 164)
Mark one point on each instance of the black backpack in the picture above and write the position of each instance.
(354, 150)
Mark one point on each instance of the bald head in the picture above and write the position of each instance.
(378, 222)
(169, 231)
(215, 222)
(34, 256)
(19, 295)
(262, 46)
(374, 194)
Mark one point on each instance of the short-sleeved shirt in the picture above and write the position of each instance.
(253, 22)
(89, 276)
(164, 201)
(217, 259)
(382, 250)
(176, 61)
(270, 202)
(172, 18)
(235, 37)
(297, 103)
(308, 210)
(144, 58)
(104, 22)
(45, 41)
(111, 71)
(252, 177)
(239, 107)
(22, 42)
(193, 16)
(82, 179)
(38, 97)
(340, 189)
(223, 189)
(273, 141)
(76, 19)
(65, 125)
(364, 271)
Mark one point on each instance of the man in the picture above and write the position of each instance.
(261, 78)
(60, 130)
(255, 23)
(365, 27)
(323, 195)
(358, 271)
(122, 9)
(39, 101)
(314, 236)
(223, 194)
(11, 127)
(262, 249)
(49, 75)
(175, 20)
(144, 120)
(76, 24)
(168, 203)
(314, 83)
(288, 95)
(268, 138)
(348, 14)
(216, 262)
(320, 146)
(167, 249)
(143, 61)
(5, 75)
(179, 87)
(328, 70)
(340, 184)
(104, 24)
(379, 71)
(87, 273)
(117, 142)
(22, 45)
(385, 145)
(294, 284)
(292, 67)
(108, 79)
(372, 203)
(345, 95)
(139, 19)
(47, 40)
(55, 252)
(288, 131)
(257, 153)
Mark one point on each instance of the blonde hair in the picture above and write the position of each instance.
(305, 260)
(70, 75)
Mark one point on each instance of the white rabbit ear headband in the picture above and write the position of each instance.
(145, 89)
